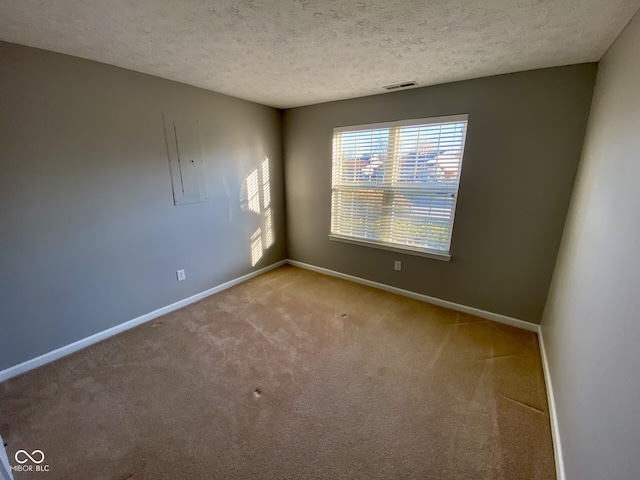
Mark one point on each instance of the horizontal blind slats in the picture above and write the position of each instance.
(403, 193)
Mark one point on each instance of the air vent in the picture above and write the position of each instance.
(400, 85)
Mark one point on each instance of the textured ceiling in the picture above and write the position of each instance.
(287, 53)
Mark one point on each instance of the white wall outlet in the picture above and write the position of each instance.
(181, 276)
(397, 265)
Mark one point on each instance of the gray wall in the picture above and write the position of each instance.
(89, 235)
(591, 325)
(523, 145)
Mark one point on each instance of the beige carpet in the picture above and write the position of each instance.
(292, 375)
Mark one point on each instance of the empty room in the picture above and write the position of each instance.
(320, 239)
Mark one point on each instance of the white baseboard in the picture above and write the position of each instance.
(496, 317)
(5, 467)
(110, 332)
(553, 413)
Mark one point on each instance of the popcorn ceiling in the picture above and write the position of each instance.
(288, 53)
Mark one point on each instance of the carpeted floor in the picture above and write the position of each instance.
(291, 375)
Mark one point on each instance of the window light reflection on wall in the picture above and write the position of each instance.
(258, 200)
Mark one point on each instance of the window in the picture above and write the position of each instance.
(395, 185)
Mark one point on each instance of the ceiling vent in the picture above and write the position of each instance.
(400, 85)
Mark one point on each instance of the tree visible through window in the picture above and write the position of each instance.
(396, 184)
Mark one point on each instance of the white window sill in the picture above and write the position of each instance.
(444, 257)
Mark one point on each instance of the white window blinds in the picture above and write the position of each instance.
(396, 184)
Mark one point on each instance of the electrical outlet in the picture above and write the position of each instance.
(397, 265)
(181, 275)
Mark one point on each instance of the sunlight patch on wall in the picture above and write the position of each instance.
(256, 247)
(253, 192)
(266, 202)
(258, 200)
(268, 228)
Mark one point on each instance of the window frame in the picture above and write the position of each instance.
(398, 247)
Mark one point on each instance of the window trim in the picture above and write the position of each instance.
(404, 123)
(404, 249)
(408, 250)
